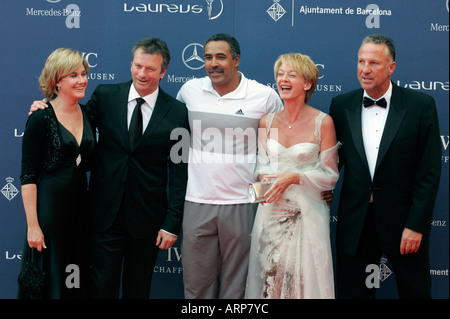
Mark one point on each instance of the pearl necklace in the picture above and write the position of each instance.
(295, 122)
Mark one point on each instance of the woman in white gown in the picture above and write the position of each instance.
(290, 254)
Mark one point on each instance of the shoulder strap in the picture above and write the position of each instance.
(318, 125)
(269, 120)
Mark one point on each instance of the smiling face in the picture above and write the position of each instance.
(73, 85)
(146, 71)
(291, 84)
(375, 66)
(220, 66)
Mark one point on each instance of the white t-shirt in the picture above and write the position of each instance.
(224, 130)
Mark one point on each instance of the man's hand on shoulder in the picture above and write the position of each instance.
(38, 105)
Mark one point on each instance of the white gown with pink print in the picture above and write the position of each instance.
(290, 254)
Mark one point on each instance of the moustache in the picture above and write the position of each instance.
(214, 69)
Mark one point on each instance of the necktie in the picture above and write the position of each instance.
(135, 131)
(369, 102)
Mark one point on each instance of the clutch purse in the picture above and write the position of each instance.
(256, 191)
(31, 277)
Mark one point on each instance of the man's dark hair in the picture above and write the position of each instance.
(152, 46)
(234, 44)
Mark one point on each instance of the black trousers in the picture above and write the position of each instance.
(412, 271)
(119, 260)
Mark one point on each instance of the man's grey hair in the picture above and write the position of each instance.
(381, 39)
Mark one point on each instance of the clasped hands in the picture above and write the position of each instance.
(281, 181)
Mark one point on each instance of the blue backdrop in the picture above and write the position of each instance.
(330, 31)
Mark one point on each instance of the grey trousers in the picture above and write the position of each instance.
(215, 248)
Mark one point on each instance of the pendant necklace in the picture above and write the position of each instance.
(295, 122)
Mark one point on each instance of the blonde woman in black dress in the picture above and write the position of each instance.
(56, 149)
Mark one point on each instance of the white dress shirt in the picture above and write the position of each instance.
(373, 120)
(147, 107)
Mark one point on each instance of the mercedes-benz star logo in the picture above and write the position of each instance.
(192, 56)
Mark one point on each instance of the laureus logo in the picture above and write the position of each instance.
(213, 12)
(214, 8)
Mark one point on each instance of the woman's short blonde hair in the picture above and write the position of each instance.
(59, 64)
(303, 65)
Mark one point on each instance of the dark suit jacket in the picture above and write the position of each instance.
(407, 171)
(153, 184)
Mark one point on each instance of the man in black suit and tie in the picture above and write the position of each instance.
(392, 162)
(136, 189)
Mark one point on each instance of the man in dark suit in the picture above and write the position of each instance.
(391, 157)
(132, 215)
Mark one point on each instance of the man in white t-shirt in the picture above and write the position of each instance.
(224, 112)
